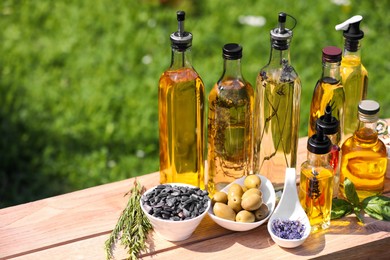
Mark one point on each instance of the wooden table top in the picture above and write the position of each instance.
(76, 225)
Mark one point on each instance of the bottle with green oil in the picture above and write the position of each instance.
(354, 75)
(230, 123)
(277, 106)
(181, 114)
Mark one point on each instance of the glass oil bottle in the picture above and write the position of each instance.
(354, 75)
(364, 155)
(328, 90)
(230, 123)
(181, 114)
(331, 127)
(277, 109)
(316, 181)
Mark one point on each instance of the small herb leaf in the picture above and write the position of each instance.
(377, 207)
(350, 192)
(340, 208)
(359, 214)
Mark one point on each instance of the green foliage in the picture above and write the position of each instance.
(78, 79)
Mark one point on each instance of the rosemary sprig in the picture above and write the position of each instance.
(132, 227)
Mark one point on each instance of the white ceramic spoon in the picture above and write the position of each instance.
(289, 208)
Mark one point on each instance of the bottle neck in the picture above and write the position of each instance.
(351, 47)
(333, 138)
(366, 131)
(231, 69)
(181, 58)
(331, 70)
(279, 56)
(318, 159)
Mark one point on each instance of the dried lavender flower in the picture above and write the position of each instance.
(288, 229)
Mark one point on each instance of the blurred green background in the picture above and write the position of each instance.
(78, 79)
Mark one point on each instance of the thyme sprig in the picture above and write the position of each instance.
(132, 227)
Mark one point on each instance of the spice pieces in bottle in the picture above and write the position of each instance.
(328, 90)
(364, 156)
(230, 123)
(181, 115)
(276, 111)
(316, 181)
(330, 126)
(354, 75)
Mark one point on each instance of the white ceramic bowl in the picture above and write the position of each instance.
(269, 199)
(174, 230)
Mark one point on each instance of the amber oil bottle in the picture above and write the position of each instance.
(316, 181)
(230, 123)
(181, 115)
(364, 155)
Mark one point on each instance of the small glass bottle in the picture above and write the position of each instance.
(230, 123)
(181, 115)
(316, 181)
(331, 127)
(277, 106)
(328, 90)
(364, 155)
(354, 75)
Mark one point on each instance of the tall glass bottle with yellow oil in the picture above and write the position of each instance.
(328, 91)
(364, 155)
(276, 111)
(354, 76)
(181, 114)
(230, 123)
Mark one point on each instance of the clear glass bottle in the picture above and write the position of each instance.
(364, 155)
(331, 127)
(328, 90)
(277, 110)
(354, 75)
(181, 115)
(230, 123)
(316, 181)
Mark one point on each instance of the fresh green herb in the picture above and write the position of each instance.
(132, 227)
(377, 207)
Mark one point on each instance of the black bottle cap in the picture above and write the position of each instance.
(319, 143)
(368, 107)
(351, 32)
(181, 40)
(331, 54)
(232, 51)
(328, 123)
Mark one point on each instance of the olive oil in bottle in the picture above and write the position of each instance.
(181, 115)
(277, 106)
(364, 155)
(354, 75)
(328, 90)
(230, 123)
(316, 182)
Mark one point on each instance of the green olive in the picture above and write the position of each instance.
(252, 191)
(261, 212)
(245, 216)
(251, 202)
(252, 181)
(235, 190)
(220, 196)
(224, 211)
(235, 203)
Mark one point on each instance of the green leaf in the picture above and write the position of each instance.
(340, 208)
(350, 192)
(358, 213)
(377, 207)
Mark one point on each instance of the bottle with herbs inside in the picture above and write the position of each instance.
(331, 127)
(364, 155)
(181, 115)
(230, 123)
(328, 90)
(316, 181)
(276, 111)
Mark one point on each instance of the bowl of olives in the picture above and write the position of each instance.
(175, 209)
(244, 204)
